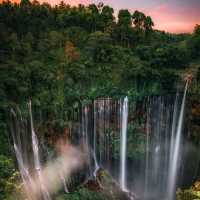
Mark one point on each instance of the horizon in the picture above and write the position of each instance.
(179, 16)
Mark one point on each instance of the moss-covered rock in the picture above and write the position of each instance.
(103, 182)
(193, 193)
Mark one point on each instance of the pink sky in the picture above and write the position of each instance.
(176, 16)
(175, 20)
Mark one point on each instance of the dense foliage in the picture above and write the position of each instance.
(8, 178)
(83, 193)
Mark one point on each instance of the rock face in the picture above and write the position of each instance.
(103, 182)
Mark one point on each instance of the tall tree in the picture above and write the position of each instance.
(197, 29)
(138, 19)
(124, 30)
(107, 17)
(124, 18)
(148, 25)
(93, 17)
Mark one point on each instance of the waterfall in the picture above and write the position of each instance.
(20, 155)
(34, 142)
(173, 131)
(20, 141)
(147, 154)
(85, 135)
(96, 164)
(162, 143)
(36, 157)
(155, 126)
(62, 177)
(176, 149)
(123, 143)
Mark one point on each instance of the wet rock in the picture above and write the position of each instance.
(103, 182)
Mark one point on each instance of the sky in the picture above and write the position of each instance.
(176, 16)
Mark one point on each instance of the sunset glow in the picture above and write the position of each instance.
(171, 19)
(172, 16)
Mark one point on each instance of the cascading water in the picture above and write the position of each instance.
(147, 155)
(150, 176)
(123, 143)
(173, 131)
(64, 182)
(39, 180)
(20, 155)
(176, 150)
(37, 163)
(155, 140)
(96, 165)
(85, 132)
(100, 120)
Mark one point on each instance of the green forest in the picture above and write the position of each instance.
(63, 56)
